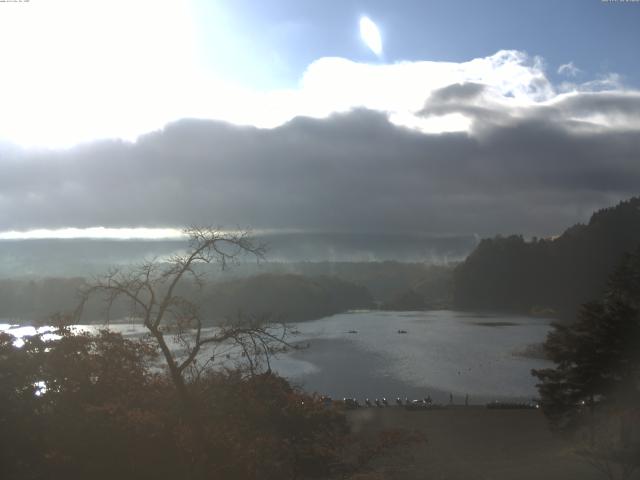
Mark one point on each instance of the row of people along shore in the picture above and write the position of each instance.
(424, 404)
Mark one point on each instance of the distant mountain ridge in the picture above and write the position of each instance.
(277, 296)
(560, 274)
(292, 291)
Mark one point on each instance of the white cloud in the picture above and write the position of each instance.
(338, 85)
(329, 85)
(120, 72)
(569, 70)
(75, 71)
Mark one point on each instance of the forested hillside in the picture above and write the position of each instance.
(285, 297)
(544, 275)
(387, 281)
(296, 291)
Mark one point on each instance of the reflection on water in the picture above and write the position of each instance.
(442, 353)
(19, 332)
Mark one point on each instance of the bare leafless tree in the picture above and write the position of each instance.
(150, 292)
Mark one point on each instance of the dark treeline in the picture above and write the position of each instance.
(387, 281)
(285, 297)
(37, 299)
(596, 358)
(548, 275)
(286, 291)
(592, 393)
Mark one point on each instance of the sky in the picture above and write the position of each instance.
(468, 118)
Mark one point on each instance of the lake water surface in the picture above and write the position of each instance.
(441, 353)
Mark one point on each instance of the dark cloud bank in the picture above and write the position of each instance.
(534, 173)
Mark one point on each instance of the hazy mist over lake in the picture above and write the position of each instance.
(80, 257)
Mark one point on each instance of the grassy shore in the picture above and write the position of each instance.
(468, 443)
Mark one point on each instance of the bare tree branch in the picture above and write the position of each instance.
(151, 291)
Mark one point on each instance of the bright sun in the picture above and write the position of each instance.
(371, 35)
(74, 70)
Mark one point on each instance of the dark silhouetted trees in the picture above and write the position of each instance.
(292, 297)
(597, 357)
(289, 297)
(509, 273)
(407, 301)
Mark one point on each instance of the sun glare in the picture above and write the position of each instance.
(371, 35)
(96, 233)
(75, 70)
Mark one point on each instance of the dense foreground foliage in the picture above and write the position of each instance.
(95, 407)
(597, 357)
(594, 388)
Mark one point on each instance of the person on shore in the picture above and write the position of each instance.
(466, 400)
(451, 399)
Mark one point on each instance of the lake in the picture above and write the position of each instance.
(441, 353)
